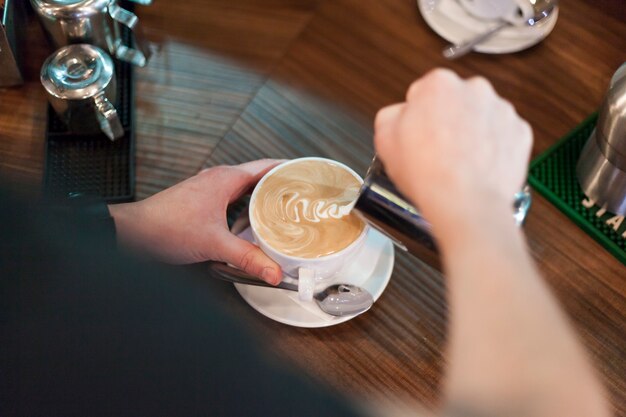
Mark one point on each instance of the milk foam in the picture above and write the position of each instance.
(304, 208)
(299, 208)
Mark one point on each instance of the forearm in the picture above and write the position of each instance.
(137, 231)
(131, 227)
(460, 151)
(511, 351)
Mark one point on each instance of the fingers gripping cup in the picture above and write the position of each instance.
(300, 217)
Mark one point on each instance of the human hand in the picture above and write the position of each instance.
(454, 147)
(186, 223)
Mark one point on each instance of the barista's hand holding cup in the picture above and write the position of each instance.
(516, 12)
(300, 217)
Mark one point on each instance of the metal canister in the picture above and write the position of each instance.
(387, 210)
(81, 86)
(96, 22)
(601, 169)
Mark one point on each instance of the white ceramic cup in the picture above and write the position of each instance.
(516, 12)
(309, 271)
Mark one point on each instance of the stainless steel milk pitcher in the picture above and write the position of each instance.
(95, 22)
(81, 86)
(383, 207)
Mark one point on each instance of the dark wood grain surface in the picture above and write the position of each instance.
(241, 80)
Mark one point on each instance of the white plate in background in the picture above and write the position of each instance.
(450, 21)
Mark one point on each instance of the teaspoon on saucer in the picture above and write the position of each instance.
(336, 300)
(541, 8)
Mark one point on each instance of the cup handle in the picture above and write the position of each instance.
(142, 54)
(521, 205)
(108, 119)
(306, 284)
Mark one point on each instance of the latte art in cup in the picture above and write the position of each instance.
(302, 210)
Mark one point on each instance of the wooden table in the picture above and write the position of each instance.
(242, 80)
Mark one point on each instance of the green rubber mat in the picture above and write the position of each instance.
(553, 175)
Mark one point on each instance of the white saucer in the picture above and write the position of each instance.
(450, 21)
(370, 269)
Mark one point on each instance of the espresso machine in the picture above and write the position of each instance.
(13, 15)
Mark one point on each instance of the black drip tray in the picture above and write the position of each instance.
(93, 164)
(90, 165)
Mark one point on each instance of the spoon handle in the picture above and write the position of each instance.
(228, 273)
(457, 51)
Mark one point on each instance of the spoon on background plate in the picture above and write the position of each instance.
(336, 300)
(541, 10)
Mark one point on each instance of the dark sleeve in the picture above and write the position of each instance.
(84, 214)
(87, 331)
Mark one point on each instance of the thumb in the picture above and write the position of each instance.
(259, 167)
(252, 172)
(249, 257)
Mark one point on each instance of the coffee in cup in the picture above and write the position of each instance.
(300, 216)
(302, 210)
